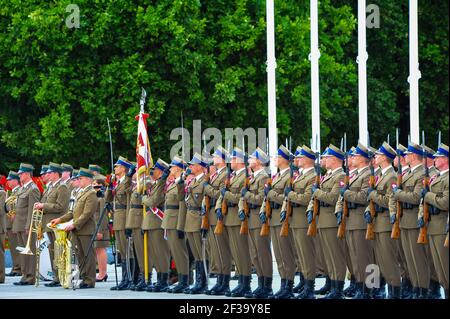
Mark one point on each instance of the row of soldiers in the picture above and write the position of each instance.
(181, 195)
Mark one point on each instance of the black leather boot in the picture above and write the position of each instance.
(308, 291)
(182, 284)
(339, 287)
(158, 282)
(350, 291)
(236, 289)
(326, 288)
(423, 293)
(246, 289)
(361, 292)
(406, 289)
(415, 293)
(380, 293)
(297, 289)
(134, 274)
(140, 285)
(282, 285)
(124, 283)
(267, 290)
(224, 288)
(200, 285)
(446, 294)
(258, 290)
(149, 284)
(435, 290)
(287, 291)
(394, 292)
(332, 291)
(161, 285)
(219, 281)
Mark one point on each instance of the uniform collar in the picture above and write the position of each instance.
(256, 173)
(284, 171)
(384, 170)
(122, 179)
(362, 169)
(236, 173)
(355, 170)
(197, 178)
(306, 170)
(26, 185)
(15, 188)
(415, 167)
(335, 170)
(220, 170)
(443, 172)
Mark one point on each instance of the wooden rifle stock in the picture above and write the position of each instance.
(244, 223)
(205, 218)
(265, 229)
(370, 235)
(287, 205)
(312, 228)
(446, 241)
(395, 234)
(342, 225)
(422, 239)
(224, 205)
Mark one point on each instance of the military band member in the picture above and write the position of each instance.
(67, 170)
(173, 223)
(44, 177)
(55, 205)
(260, 250)
(406, 286)
(219, 244)
(437, 200)
(13, 182)
(102, 240)
(28, 195)
(328, 194)
(119, 197)
(133, 224)
(360, 250)
(95, 169)
(283, 247)
(193, 200)
(2, 233)
(299, 197)
(159, 248)
(385, 248)
(409, 194)
(83, 227)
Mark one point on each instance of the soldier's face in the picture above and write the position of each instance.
(84, 181)
(217, 160)
(298, 162)
(396, 161)
(252, 162)
(44, 177)
(24, 177)
(119, 170)
(12, 183)
(76, 183)
(441, 163)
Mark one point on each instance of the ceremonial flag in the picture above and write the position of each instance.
(143, 154)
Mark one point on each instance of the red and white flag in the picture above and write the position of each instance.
(143, 153)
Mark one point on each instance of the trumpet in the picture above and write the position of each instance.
(36, 228)
(11, 202)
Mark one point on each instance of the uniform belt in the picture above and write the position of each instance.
(120, 206)
(194, 208)
(351, 205)
(294, 205)
(408, 206)
(251, 206)
(380, 209)
(231, 205)
(323, 204)
(212, 202)
(172, 207)
(137, 206)
(275, 205)
(434, 210)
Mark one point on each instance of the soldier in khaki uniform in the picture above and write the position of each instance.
(385, 248)
(409, 194)
(406, 286)
(219, 245)
(260, 250)
(2, 233)
(27, 196)
(173, 223)
(13, 181)
(120, 198)
(283, 247)
(360, 250)
(158, 246)
(83, 227)
(238, 243)
(299, 197)
(193, 200)
(333, 247)
(133, 223)
(67, 170)
(55, 205)
(437, 200)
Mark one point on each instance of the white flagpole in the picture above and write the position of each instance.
(414, 73)
(271, 66)
(362, 71)
(314, 58)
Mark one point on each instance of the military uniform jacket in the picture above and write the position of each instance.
(276, 195)
(381, 197)
(213, 191)
(356, 197)
(300, 197)
(232, 197)
(56, 205)
(155, 199)
(412, 185)
(438, 198)
(135, 211)
(193, 200)
(174, 195)
(27, 196)
(254, 197)
(120, 197)
(9, 222)
(68, 184)
(83, 213)
(2, 212)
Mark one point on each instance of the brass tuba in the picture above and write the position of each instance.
(63, 255)
(11, 202)
(36, 228)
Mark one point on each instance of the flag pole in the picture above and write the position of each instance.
(414, 72)
(271, 85)
(314, 58)
(362, 71)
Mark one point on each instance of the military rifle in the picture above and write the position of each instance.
(395, 234)
(342, 225)
(312, 228)
(422, 239)
(370, 235)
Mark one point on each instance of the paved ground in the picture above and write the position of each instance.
(102, 290)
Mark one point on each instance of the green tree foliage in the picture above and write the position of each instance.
(205, 58)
